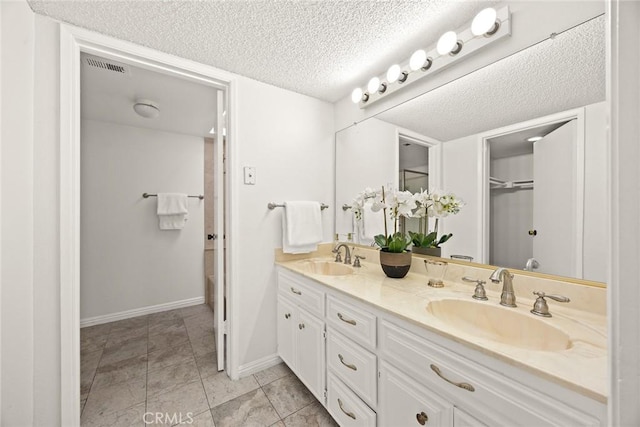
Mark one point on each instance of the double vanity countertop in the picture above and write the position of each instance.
(569, 348)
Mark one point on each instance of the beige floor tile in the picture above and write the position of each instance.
(313, 415)
(167, 379)
(120, 371)
(114, 398)
(203, 420)
(128, 417)
(173, 338)
(163, 316)
(203, 344)
(126, 336)
(278, 424)
(170, 356)
(92, 344)
(288, 395)
(95, 331)
(166, 326)
(207, 364)
(221, 389)
(250, 409)
(127, 324)
(184, 400)
(273, 373)
(195, 310)
(88, 365)
(199, 325)
(124, 351)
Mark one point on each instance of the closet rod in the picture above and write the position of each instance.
(147, 195)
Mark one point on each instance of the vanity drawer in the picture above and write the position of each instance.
(355, 323)
(304, 294)
(486, 394)
(354, 365)
(345, 407)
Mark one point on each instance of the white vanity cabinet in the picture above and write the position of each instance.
(381, 370)
(301, 331)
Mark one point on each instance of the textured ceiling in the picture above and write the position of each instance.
(321, 48)
(185, 107)
(553, 76)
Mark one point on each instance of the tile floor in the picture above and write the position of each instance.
(165, 363)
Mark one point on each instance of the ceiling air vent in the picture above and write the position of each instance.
(106, 65)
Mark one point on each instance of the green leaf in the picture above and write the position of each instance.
(443, 239)
(381, 240)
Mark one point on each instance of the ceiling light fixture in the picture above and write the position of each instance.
(488, 26)
(485, 23)
(147, 109)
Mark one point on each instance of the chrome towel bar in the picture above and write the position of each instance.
(147, 195)
(272, 206)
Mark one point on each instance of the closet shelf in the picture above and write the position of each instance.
(496, 183)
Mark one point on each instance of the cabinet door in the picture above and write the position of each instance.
(286, 332)
(404, 402)
(462, 419)
(310, 353)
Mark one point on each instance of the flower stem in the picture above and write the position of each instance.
(384, 210)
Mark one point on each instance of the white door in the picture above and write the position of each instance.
(555, 201)
(310, 354)
(219, 242)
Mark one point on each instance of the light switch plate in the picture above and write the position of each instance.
(249, 175)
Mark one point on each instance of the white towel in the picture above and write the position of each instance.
(172, 211)
(371, 225)
(301, 227)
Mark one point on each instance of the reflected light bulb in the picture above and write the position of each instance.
(484, 22)
(417, 59)
(447, 42)
(393, 73)
(373, 85)
(356, 95)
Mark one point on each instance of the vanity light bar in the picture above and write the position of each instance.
(487, 27)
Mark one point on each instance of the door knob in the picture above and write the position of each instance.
(212, 236)
(533, 232)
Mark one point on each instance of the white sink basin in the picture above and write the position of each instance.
(326, 268)
(500, 324)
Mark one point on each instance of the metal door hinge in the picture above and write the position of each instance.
(225, 327)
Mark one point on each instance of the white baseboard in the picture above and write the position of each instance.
(258, 365)
(106, 318)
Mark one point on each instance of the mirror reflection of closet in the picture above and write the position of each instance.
(533, 197)
(413, 173)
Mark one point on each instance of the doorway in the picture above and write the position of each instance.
(74, 44)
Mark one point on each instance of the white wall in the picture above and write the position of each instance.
(366, 156)
(127, 262)
(288, 138)
(460, 177)
(511, 213)
(595, 209)
(17, 181)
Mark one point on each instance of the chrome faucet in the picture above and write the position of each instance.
(347, 253)
(507, 297)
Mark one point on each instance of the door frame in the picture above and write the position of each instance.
(73, 42)
(484, 192)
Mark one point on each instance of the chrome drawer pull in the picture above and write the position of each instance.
(287, 315)
(301, 326)
(348, 365)
(295, 291)
(465, 386)
(349, 321)
(422, 418)
(348, 414)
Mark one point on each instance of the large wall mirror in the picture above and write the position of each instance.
(521, 141)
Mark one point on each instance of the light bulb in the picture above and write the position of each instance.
(393, 73)
(484, 22)
(356, 95)
(447, 42)
(373, 85)
(417, 59)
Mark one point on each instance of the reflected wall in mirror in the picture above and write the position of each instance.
(476, 129)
